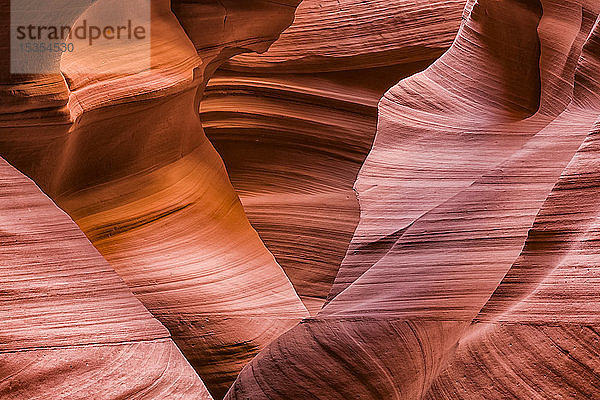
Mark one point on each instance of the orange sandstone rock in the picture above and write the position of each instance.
(69, 327)
(466, 155)
(295, 124)
(125, 156)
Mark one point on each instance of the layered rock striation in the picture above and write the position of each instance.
(69, 326)
(467, 276)
(295, 124)
(434, 240)
(125, 156)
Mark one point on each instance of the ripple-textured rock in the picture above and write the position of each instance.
(466, 155)
(295, 124)
(466, 269)
(69, 327)
(125, 156)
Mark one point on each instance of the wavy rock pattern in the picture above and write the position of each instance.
(126, 157)
(295, 124)
(465, 270)
(69, 327)
(463, 173)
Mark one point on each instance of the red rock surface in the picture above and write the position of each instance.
(295, 124)
(470, 164)
(442, 234)
(69, 327)
(126, 158)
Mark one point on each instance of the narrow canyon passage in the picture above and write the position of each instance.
(286, 199)
(295, 124)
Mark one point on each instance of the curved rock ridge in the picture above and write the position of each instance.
(544, 313)
(295, 124)
(470, 274)
(437, 240)
(125, 156)
(332, 35)
(236, 26)
(458, 110)
(69, 327)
